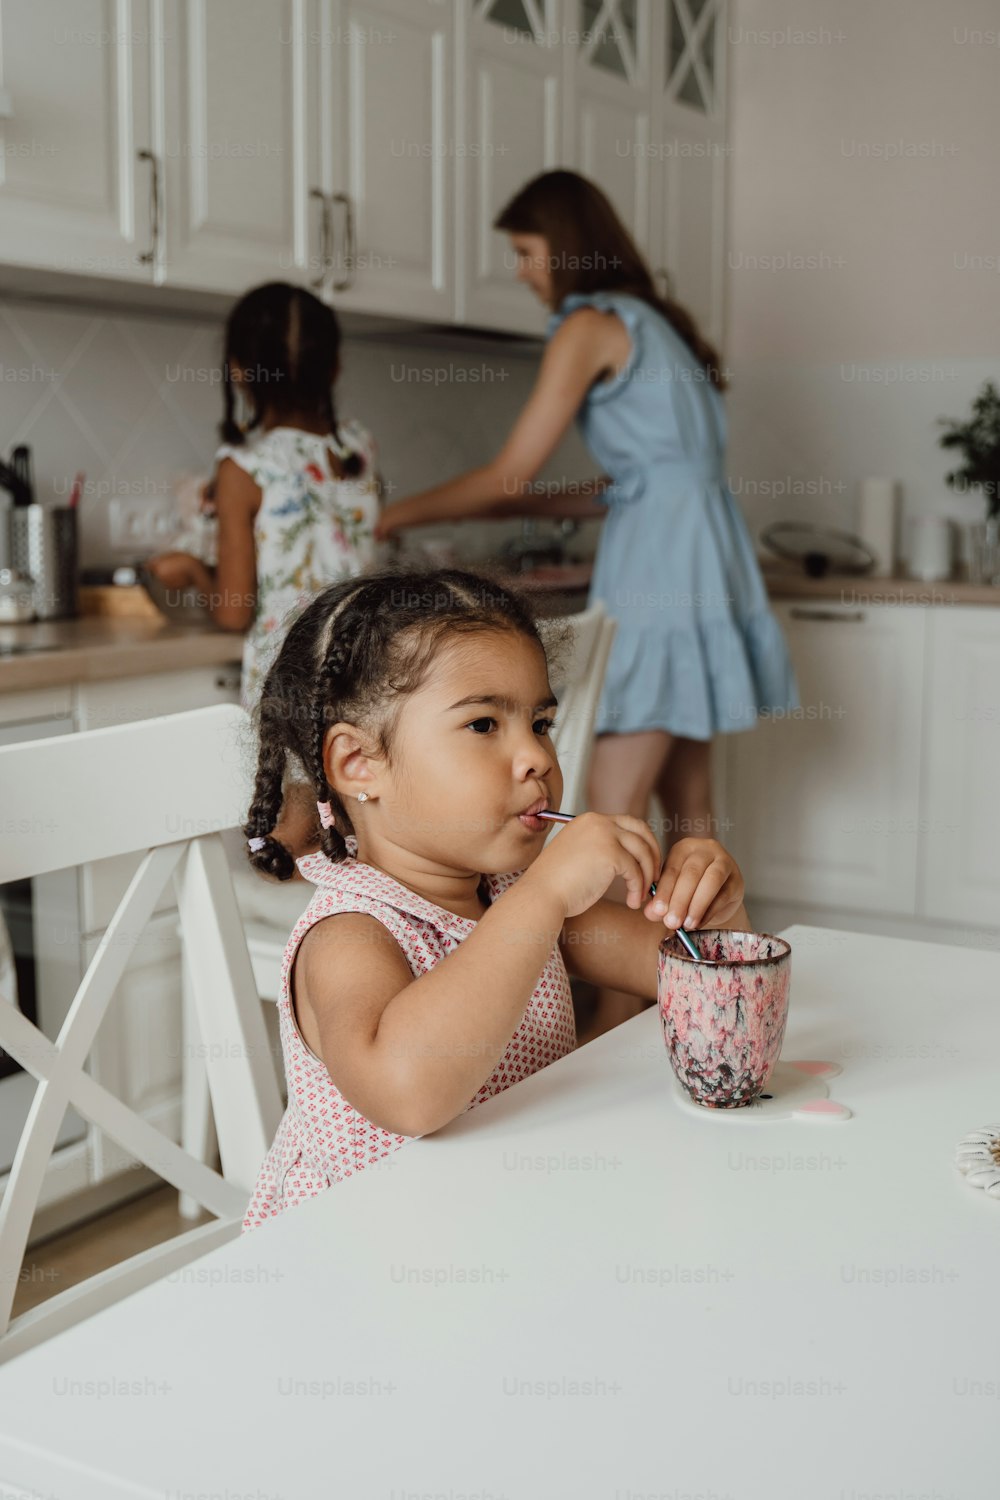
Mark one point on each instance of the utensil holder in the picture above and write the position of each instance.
(44, 545)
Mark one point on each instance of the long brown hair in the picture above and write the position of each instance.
(590, 250)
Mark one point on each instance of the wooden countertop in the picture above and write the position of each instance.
(791, 583)
(93, 649)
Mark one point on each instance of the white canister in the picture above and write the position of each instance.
(930, 553)
(878, 522)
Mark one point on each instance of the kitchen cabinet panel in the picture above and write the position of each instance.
(511, 131)
(960, 863)
(388, 79)
(824, 802)
(609, 100)
(73, 192)
(234, 143)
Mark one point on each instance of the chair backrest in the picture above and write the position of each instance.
(578, 684)
(165, 787)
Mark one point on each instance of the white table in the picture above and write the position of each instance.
(818, 1316)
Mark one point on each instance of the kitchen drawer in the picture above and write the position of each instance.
(39, 703)
(125, 700)
(101, 704)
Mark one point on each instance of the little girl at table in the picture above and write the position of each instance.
(429, 970)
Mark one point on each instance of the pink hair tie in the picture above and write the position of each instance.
(256, 845)
(325, 814)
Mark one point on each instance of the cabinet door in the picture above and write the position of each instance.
(823, 802)
(510, 131)
(387, 87)
(609, 95)
(233, 142)
(689, 154)
(73, 193)
(960, 864)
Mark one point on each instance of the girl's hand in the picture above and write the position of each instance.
(586, 855)
(700, 885)
(178, 570)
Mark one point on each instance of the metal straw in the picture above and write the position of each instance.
(560, 817)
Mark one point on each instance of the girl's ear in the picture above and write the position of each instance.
(348, 764)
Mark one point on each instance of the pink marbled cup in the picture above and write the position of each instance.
(724, 1022)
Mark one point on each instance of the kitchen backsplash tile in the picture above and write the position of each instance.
(134, 400)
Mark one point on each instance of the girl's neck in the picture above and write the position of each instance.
(304, 421)
(451, 890)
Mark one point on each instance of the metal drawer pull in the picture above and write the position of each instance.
(350, 245)
(844, 616)
(325, 257)
(150, 257)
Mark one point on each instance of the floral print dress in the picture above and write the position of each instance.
(311, 530)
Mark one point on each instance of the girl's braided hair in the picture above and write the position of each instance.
(287, 343)
(352, 654)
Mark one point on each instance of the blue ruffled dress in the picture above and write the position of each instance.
(698, 650)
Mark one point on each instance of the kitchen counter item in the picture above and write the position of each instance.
(178, 605)
(929, 556)
(44, 545)
(820, 549)
(878, 522)
(118, 600)
(17, 602)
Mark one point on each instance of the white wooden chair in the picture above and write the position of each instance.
(114, 791)
(577, 685)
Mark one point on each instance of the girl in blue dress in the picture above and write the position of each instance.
(698, 650)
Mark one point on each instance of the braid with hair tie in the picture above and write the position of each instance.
(335, 657)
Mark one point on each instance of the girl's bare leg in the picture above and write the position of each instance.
(623, 771)
(684, 788)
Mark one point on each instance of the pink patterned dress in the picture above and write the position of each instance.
(321, 1138)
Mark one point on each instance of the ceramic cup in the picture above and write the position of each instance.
(724, 1022)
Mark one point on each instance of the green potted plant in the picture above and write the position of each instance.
(978, 441)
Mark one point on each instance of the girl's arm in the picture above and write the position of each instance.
(410, 1053)
(579, 500)
(574, 358)
(233, 590)
(614, 946)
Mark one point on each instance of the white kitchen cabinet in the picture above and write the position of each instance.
(689, 156)
(510, 129)
(609, 97)
(363, 147)
(386, 155)
(233, 143)
(824, 803)
(960, 863)
(73, 191)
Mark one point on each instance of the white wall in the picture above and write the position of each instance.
(864, 140)
(134, 401)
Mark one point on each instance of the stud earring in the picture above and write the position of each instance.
(362, 796)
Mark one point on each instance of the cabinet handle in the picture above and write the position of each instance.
(668, 281)
(229, 682)
(844, 616)
(350, 247)
(324, 237)
(151, 256)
